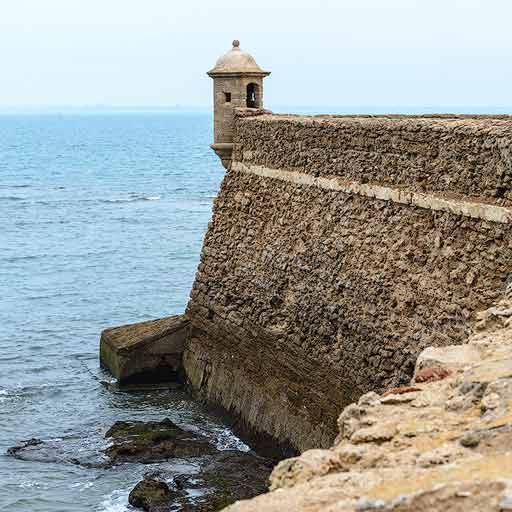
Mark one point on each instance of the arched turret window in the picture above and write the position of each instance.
(253, 95)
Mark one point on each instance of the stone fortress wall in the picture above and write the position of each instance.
(339, 248)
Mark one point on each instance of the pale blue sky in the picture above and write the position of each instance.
(323, 52)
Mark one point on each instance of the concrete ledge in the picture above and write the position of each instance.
(466, 208)
(146, 352)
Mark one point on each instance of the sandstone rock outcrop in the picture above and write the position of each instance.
(444, 444)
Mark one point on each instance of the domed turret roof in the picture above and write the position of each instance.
(236, 61)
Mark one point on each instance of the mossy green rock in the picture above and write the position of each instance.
(154, 441)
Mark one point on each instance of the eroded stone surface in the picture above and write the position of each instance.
(447, 357)
(151, 495)
(432, 373)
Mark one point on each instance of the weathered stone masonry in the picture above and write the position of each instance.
(311, 292)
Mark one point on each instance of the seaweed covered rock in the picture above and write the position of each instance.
(154, 441)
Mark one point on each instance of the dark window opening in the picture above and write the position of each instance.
(227, 97)
(253, 96)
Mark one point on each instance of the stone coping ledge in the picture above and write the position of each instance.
(465, 207)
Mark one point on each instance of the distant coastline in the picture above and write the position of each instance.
(101, 109)
(298, 109)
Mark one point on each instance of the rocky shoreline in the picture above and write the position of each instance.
(220, 478)
(442, 441)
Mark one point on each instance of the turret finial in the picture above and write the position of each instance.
(236, 43)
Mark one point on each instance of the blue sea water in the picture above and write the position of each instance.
(102, 220)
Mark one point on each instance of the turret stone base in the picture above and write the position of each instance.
(224, 151)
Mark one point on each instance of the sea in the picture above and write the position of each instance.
(102, 219)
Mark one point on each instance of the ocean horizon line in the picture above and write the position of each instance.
(327, 109)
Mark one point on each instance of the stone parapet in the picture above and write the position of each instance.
(465, 155)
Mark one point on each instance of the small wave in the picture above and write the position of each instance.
(130, 219)
(11, 198)
(31, 484)
(14, 259)
(20, 392)
(53, 296)
(114, 502)
(226, 440)
(40, 369)
(131, 199)
(223, 437)
(82, 485)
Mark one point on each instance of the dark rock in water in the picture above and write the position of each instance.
(58, 451)
(154, 441)
(224, 477)
(15, 451)
(151, 495)
(231, 476)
